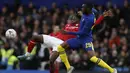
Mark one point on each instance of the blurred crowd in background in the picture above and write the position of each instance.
(111, 37)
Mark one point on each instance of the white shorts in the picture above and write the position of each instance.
(52, 42)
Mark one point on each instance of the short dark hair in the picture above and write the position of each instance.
(88, 8)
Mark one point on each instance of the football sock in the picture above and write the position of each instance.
(31, 45)
(56, 69)
(63, 56)
(101, 63)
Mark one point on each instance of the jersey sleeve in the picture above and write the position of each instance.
(98, 21)
(72, 28)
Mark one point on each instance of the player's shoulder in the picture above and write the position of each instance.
(88, 18)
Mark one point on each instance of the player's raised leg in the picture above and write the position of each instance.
(98, 61)
(35, 39)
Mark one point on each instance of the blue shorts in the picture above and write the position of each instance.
(76, 43)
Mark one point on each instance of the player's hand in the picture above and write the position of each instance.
(80, 13)
(106, 13)
(26, 56)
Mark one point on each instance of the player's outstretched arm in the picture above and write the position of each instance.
(99, 20)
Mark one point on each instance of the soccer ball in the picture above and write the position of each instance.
(10, 34)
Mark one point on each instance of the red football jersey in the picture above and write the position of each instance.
(68, 27)
(54, 34)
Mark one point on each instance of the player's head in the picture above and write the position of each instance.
(73, 19)
(86, 9)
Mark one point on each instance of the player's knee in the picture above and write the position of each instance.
(51, 61)
(65, 45)
(91, 54)
(60, 48)
(37, 38)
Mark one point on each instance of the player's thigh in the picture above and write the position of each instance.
(37, 38)
(73, 43)
(45, 39)
(88, 46)
(52, 41)
(56, 44)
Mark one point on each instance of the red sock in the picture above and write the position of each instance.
(31, 45)
(56, 68)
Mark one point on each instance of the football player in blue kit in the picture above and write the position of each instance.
(83, 40)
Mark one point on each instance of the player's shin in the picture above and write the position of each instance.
(101, 63)
(52, 59)
(63, 56)
(28, 54)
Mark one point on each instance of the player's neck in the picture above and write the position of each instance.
(88, 13)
